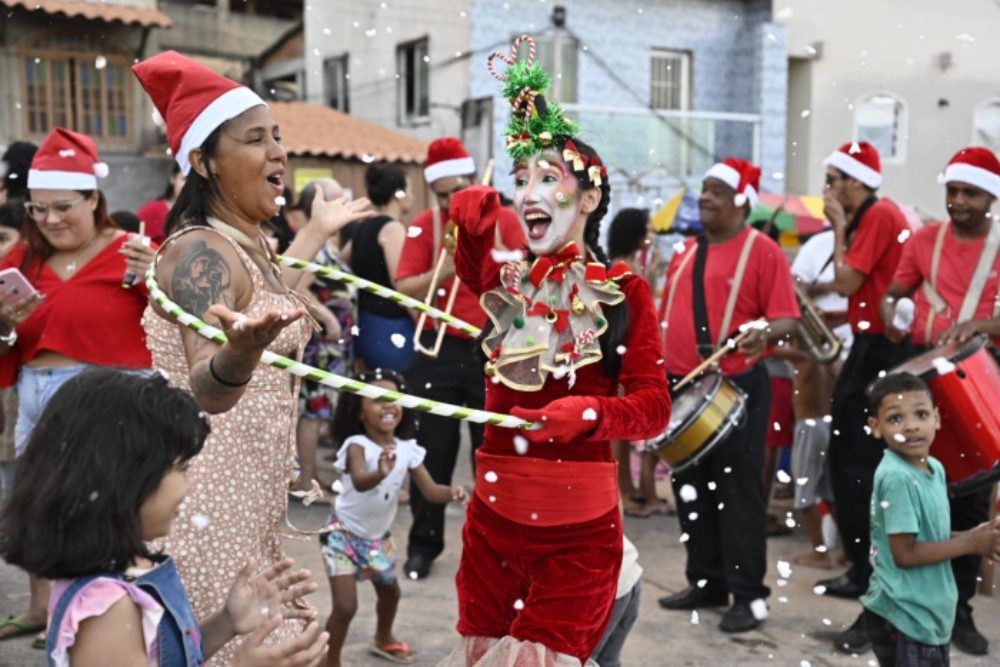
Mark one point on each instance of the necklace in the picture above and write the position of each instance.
(71, 266)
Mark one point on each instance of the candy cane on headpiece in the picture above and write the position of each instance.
(338, 382)
(527, 96)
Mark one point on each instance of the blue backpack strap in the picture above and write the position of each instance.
(52, 635)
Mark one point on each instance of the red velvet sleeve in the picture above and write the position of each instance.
(644, 410)
(474, 262)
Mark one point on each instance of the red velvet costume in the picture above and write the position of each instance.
(542, 543)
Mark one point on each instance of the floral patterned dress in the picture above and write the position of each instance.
(239, 482)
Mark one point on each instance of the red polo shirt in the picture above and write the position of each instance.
(874, 251)
(419, 257)
(957, 264)
(766, 291)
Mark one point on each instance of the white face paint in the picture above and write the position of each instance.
(547, 200)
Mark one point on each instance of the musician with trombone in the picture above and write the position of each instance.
(868, 241)
(951, 270)
(446, 366)
(731, 275)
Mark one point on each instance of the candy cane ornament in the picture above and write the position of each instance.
(338, 382)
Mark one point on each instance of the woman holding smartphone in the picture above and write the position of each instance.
(70, 310)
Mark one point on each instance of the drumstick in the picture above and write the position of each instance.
(718, 354)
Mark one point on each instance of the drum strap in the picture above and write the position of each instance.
(702, 329)
(976, 286)
(673, 284)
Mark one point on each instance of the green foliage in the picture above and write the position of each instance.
(541, 130)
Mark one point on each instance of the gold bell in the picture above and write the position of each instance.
(490, 369)
(577, 305)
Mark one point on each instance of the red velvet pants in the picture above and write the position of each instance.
(565, 576)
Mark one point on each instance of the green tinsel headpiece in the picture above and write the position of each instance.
(535, 124)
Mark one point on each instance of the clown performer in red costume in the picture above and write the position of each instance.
(542, 542)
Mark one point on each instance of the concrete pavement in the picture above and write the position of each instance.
(797, 633)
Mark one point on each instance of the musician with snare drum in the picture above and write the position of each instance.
(951, 270)
(446, 366)
(729, 276)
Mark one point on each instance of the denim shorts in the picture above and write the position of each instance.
(35, 386)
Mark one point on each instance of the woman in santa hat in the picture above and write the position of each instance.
(72, 258)
(542, 542)
(217, 266)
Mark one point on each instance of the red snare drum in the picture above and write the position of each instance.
(965, 382)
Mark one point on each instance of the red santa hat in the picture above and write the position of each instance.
(740, 175)
(859, 160)
(67, 160)
(192, 100)
(975, 166)
(447, 157)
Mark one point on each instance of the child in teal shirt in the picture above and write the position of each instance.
(910, 603)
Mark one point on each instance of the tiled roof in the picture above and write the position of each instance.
(98, 11)
(311, 129)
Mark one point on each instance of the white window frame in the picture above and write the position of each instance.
(343, 82)
(684, 58)
(901, 128)
(993, 101)
(404, 115)
(564, 89)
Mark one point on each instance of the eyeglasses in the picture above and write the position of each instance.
(39, 211)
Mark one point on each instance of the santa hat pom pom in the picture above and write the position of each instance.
(101, 169)
(157, 118)
(740, 199)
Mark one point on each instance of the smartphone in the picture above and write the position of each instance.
(14, 286)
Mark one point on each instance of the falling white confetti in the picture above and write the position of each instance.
(784, 477)
(903, 235)
(819, 589)
(684, 538)
(712, 486)
(777, 427)
(727, 469)
(694, 617)
(414, 576)
(784, 569)
(279, 201)
(688, 493)
(759, 609)
(241, 323)
(702, 583)
(100, 62)
(805, 113)
(783, 600)
(693, 516)
(200, 521)
(864, 325)
(414, 232)
(503, 256)
(790, 522)
(519, 604)
(590, 415)
(399, 340)
(827, 621)
(942, 366)
(93, 496)
(620, 349)
(884, 504)
(520, 445)
(337, 486)
(805, 663)
(802, 481)
(899, 437)
(490, 476)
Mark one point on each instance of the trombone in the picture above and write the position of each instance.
(448, 244)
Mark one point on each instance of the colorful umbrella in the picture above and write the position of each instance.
(679, 214)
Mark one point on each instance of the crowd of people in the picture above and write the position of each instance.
(147, 470)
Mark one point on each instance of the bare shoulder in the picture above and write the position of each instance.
(200, 268)
(392, 230)
(117, 632)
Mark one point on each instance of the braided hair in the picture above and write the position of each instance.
(616, 315)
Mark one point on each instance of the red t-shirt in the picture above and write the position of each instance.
(154, 214)
(418, 257)
(89, 317)
(957, 264)
(874, 251)
(766, 291)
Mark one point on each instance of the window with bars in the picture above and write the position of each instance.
(336, 78)
(413, 72)
(670, 80)
(68, 83)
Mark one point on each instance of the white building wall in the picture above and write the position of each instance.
(893, 46)
(369, 31)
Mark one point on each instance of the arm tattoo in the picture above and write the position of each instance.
(200, 279)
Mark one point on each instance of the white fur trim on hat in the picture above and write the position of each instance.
(731, 177)
(983, 179)
(61, 180)
(228, 105)
(854, 168)
(464, 166)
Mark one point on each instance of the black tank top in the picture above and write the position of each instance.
(368, 261)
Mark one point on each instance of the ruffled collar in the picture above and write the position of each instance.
(547, 317)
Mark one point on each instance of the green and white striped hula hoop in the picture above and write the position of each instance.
(338, 382)
(382, 291)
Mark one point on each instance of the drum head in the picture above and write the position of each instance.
(687, 403)
(941, 360)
